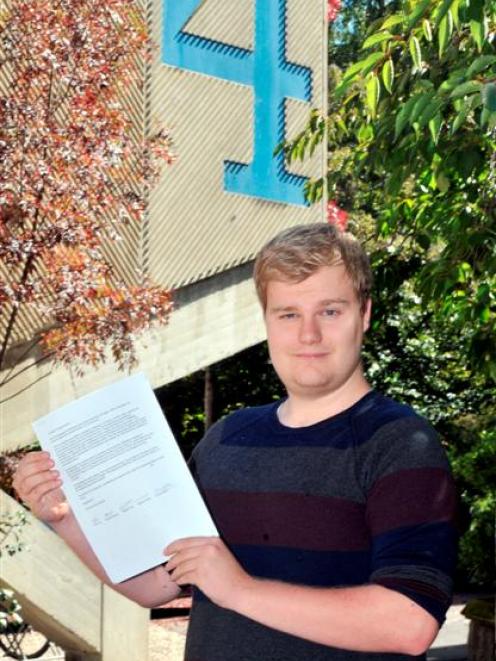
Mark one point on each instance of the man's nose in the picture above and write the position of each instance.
(309, 331)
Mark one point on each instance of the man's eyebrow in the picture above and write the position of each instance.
(327, 301)
(282, 308)
(330, 301)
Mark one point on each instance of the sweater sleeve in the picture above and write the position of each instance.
(410, 514)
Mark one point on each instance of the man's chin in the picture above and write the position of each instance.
(313, 387)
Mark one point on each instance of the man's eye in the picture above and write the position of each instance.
(288, 315)
(330, 312)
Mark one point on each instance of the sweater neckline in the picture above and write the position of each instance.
(279, 428)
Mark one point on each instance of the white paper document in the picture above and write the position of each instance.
(124, 476)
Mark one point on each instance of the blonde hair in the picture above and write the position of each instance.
(298, 252)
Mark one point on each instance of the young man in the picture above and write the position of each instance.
(334, 506)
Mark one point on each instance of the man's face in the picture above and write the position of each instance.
(315, 330)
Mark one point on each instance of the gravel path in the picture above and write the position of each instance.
(166, 639)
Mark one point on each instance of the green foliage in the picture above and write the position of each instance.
(354, 18)
(9, 609)
(473, 464)
(10, 543)
(10, 532)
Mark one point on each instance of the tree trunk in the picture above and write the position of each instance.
(208, 398)
(480, 641)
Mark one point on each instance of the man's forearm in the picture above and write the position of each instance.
(152, 588)
(365, 618)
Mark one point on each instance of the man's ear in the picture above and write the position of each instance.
(367, 311)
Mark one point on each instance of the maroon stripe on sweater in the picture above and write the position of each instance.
(312, 523)
(411, 497)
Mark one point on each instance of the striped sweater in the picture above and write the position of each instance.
(365, 496)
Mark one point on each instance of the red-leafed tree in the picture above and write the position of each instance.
(73, 170)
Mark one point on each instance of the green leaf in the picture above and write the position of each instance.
(417, 14)
(393, 187)
(483, 293)
(365, 133)
(475, 10)
(373, 89)
(415, 52)
(485, 314)
(426, 27)
(455, 78)
(376, 38)
(435, 127)
(454, 11)
(425, 85)
(301, 149)
(479, 64)
(466, 88)
(442, 11)
(403, 115)
(364, 66)
(477, 32)
(429, 112)
(464, 272)
(489, 97)
(392, 20)
(314, 141)
(373, 27)
(442, 182)
(388, 75)
(445, 32)
(341, 124)
(342, 88)
(484, 117)
(461, 117)
(421, 103)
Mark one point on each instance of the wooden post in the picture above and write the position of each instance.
(124, 631)
(124, 628)
(72, 655)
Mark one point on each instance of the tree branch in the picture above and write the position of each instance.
(7, 399)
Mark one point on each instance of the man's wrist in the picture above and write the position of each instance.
(243, 595)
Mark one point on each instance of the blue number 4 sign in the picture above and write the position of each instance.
(273, 79)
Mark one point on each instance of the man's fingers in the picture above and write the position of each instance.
(183, 556)
(31, 464)
(188, 542)
(34, 458)
(37, 485)
(37, 494)
(31, 481)
(185, 573)
(42, 489)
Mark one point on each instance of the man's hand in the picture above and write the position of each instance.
(38, 485)
(207, 563)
